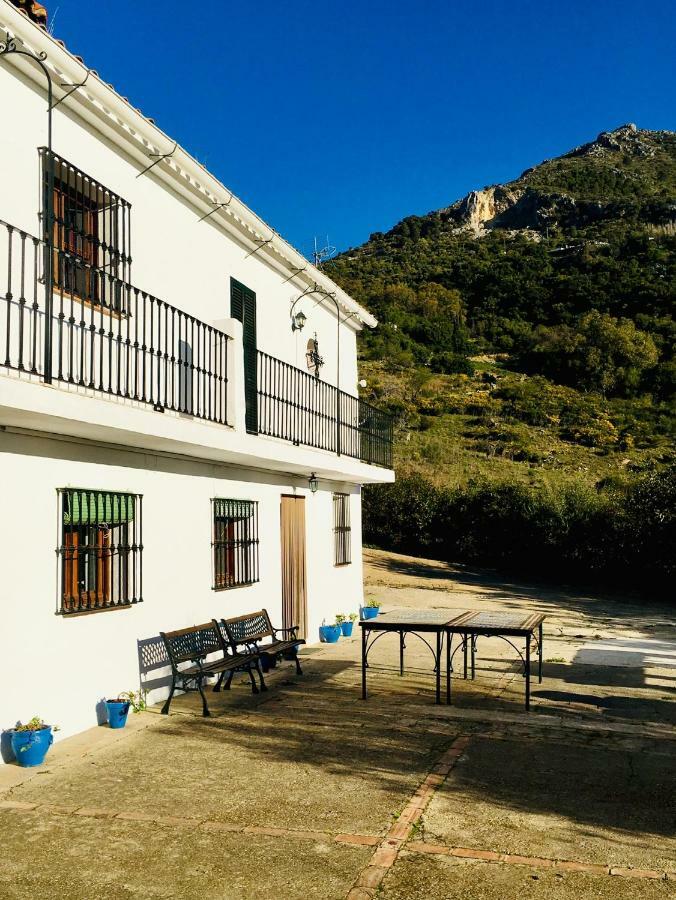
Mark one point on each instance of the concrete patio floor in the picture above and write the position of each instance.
(307, 792)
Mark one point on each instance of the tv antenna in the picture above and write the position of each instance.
(320, 254)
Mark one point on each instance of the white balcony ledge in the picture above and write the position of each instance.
(62, 409)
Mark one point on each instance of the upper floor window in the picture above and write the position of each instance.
(100, 550)
(342, 530)
(234, 542)
(90, 234)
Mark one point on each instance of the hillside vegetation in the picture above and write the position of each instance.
(526, 332)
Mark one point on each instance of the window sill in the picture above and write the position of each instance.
(65, 614)
(232, 587)
(342, 565)
(98, 308)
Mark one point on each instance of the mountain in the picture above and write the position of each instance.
(527, 328)
(623, 174)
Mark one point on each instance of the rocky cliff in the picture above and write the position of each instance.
(616, 158)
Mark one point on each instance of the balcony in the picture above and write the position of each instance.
(296, 406)
(98, 335)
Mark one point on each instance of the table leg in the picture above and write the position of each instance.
(464, 654)
(473, 653)
(401, 652)
(540, 655)
(527, 671)
(438, 672)
(363, 663)
(449, 645)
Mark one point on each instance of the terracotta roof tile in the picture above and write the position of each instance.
(35, 11)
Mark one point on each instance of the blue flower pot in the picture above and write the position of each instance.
(268, 661)
(117, 713)
(30, 747)
(329, 634)
(346, 628)
(369, 612)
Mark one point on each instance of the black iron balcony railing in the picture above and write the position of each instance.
(296, 406)
(99, 333)
(106, 335)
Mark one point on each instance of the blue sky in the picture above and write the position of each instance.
(344, 117)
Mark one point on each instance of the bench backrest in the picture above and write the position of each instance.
(250, 627)
(190, 643)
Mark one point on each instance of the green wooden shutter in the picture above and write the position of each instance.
(243, 308)
(233, 509)
(85, 507)
(236, 300)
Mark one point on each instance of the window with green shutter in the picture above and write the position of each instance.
(234, 542)
(243, 308)
(100, 549)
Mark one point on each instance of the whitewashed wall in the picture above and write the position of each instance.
(59, 667)
(176, 258)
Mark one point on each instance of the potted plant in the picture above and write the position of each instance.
(370, 609)
(341, 622)
(118, 709)
(30, 742)
(347, 626)
(329, 634)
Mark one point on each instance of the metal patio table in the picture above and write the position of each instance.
(443, 624)
(406, 621)
(494, 623)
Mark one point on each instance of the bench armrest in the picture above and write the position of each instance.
(293, 631)
(251, 647)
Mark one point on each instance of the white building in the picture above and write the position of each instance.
(161, 414)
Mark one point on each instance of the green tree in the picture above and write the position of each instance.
(600, 353)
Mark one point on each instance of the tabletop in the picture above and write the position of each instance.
(464, 619)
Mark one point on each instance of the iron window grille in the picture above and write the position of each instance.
(234, 543)
(342, 530)
(100, 551)
(91, 231)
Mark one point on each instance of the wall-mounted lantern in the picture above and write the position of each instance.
(313, 481)
(298, 321)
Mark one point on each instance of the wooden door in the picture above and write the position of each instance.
(294, 576)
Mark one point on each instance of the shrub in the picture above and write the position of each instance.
(569, 533)
(446, 363)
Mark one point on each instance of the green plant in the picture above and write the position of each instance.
(372, 603)
(353, 617)
(340, 618)
(136, 699)
(34, 724)
(569, 530)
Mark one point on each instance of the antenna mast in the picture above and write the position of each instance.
(320, 254)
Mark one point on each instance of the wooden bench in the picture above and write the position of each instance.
(193, 645)
(252, 629)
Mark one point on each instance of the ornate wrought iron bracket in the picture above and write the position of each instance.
(9, 47)
(502, 637)
(370, 642)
